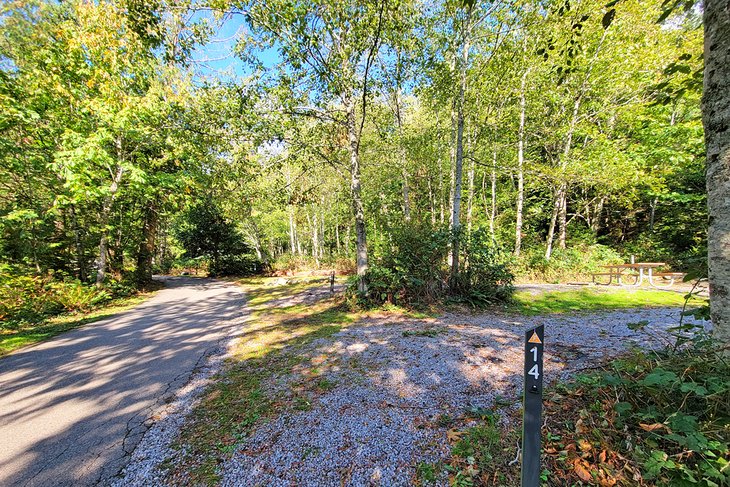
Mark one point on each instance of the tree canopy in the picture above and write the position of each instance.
(373, 136)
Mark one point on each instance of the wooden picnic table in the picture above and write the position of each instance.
(645, 270)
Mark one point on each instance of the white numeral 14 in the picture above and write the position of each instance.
(534, 371)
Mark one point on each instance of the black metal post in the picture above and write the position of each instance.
(532, 407)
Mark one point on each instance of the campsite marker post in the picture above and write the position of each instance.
(532, 407)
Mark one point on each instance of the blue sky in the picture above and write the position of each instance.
(215, 60)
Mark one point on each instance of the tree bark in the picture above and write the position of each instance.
(551, 228)
(470, 196)
(520, 164)
(716, 121)
(315, 237)
(292, 231)
(597, 212)
(358, 210)
(563, 215)
(402, 154)
(459, 156)
(431, 203)
(146, 249)
(105, 212)
(493, 194)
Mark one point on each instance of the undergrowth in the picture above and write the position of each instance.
(647, 419)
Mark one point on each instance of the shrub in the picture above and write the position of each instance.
(667, 412)
(27, 298)
(406, 267)
(24, 297)
(75, 296)
(235, 265)
(486, 278)
(573, 263)
(410, 267)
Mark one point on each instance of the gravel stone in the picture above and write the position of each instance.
(380, 418)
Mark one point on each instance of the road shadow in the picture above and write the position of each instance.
(73, 408)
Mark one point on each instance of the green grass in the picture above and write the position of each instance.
(426, 332)
(12, 339)
(480, 452)
(594, 299)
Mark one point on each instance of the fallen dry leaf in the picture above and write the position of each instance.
(581, 471)
(454, 435)
(651, 427)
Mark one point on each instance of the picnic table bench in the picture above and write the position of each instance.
(635, 273)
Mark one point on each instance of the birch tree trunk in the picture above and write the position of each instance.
(562, 194)
(315, 236)
(520, 164)
(716, 120)
(361, 246)
(402, 156)
(470, 197)
(292, 231)
(551, 228)
(459, 157)
(493, 194)
(105, 213)
(431, 202)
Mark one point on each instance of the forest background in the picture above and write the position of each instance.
(434, 150)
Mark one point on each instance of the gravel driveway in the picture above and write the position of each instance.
(389, 381)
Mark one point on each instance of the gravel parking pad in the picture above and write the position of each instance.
(366, 402)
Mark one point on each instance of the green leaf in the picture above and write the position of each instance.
(659, 377)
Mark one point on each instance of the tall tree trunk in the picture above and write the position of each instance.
(459, 157)
(80, 262)
(347, 239)
(406, 191)
(716, 120)
(322, 228)
(146, 250)
(402, 150)
(520, 167)
(105, 213)
(551, 228)
(315, 237)
(563, 215)
(597, 212)
(441, 192)
(470, 196)
(356, 192)
(452, 165)
(563, 190)
(292, 231)
(652, 214)
(493, 194)
(431, 202)
(337, 237)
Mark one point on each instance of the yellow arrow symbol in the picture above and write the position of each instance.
(534, 338)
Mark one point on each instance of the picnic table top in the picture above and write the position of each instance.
(636, 265)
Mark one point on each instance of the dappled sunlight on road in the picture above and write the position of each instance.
(72, 408)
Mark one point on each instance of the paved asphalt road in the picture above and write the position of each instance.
(72, 409)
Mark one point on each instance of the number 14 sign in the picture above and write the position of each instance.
(532, 407)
